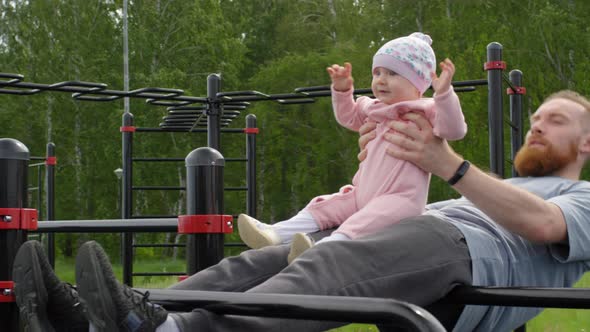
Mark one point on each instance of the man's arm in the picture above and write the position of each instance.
(516, 209)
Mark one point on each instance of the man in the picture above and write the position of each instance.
(528, 231)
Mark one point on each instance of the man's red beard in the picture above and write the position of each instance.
(543, 161)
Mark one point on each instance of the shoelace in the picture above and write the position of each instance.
(69, 292)
(141, 299)
(30, 306)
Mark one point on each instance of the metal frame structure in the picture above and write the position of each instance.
(215, 241)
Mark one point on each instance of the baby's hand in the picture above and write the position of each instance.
(442, 83)
(341, 76)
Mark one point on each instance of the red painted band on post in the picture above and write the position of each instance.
(7, 291)
(205, 223)
(494, 65)
(127, 129)
(518, 90)
(51, 161)
(251, 130)
(11, 218)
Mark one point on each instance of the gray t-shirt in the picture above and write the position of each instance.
(501, 258)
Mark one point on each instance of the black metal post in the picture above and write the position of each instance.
(40, 192)
(50, 198)
(14, 161)
(204, 196)
(127, 197)
(251, 132)
(214, 110)
(494, 67)
(516, 100)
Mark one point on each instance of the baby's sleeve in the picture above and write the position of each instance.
(449, 122)
(348, 112)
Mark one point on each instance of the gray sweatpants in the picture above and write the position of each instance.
(418, 260)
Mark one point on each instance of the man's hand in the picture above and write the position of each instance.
(341, 76)
(415, 142)
(367, 132)
(442, 83)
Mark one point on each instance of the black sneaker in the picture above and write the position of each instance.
(111, 305)
(73, 319)
(45, 302)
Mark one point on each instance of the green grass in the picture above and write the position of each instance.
(551, 320)
(563, 320)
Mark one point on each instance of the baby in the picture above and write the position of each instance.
(384, 190)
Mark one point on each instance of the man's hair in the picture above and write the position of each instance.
(571, 95)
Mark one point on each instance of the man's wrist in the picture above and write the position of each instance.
(447, 166)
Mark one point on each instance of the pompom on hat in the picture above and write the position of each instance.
(411, 57)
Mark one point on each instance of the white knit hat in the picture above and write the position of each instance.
(411, 57)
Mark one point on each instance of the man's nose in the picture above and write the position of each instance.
(537, 128)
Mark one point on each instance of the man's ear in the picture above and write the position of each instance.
(584, 146)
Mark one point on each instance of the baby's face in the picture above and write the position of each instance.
(391, 88)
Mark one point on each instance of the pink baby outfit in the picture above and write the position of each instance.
(384, 190)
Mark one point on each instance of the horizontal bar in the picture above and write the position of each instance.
(153, 159)
(235, 188)
(332, 308)
(470, 82)
(234, 244)
(158, 274)
(465, 89)
(181, 188)
(173, 98)
(159, 245)
(195, 130)
(522, 297)
(158, 188)
(153, 216)
(108, 226)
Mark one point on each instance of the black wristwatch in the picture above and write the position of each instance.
(459, 173)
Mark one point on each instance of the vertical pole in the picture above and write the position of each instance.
(50, 162)
(214, 111)
(126, 238)
(125, 56)
(251, 164)
(14, 161)
(204, 250)
(494, 56)
(204, 196)
(517, 132)
(40, 193)
(127, 197)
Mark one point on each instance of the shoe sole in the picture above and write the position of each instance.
(251, 235)
(301, 243)
(28, 280)
(93, 288)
